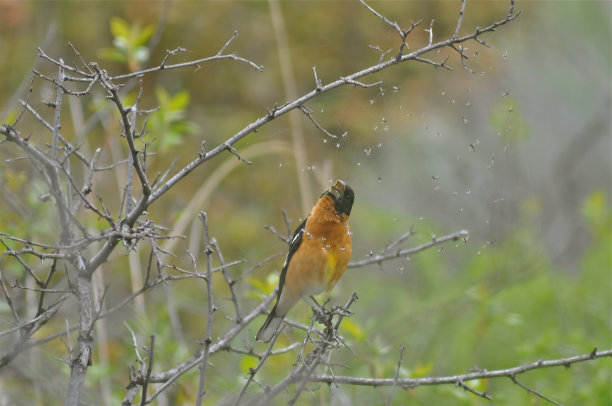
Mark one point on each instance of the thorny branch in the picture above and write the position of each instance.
(379, 258)
(211, 309)
(511, 373)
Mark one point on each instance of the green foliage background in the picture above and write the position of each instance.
(517, 152)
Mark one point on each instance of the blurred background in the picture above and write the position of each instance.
(516, 149)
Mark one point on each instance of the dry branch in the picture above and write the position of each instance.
(407, 383)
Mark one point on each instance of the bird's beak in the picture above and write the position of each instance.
(337, 189)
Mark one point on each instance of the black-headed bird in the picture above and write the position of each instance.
(319, 252)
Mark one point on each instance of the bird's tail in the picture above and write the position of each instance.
(269, 328)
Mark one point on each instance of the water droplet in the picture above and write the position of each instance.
(379, 180)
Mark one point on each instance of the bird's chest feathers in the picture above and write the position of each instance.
(332, 248)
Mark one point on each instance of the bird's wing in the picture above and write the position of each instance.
(294, 244)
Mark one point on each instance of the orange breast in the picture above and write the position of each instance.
(321, 259)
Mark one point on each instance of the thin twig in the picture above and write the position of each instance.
(211, 310)
(145, 384)
(231, 283)
(535, 392)
(463, 234)
(459, 20)
(397, 371)
(452, 380)
(196, 63)
(253, 371)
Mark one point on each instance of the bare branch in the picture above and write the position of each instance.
(535, 392)
(393, 24)
(196, 63)
(9, 301)
(221, 344)
(128, 131)
(316, 78)
(382, 53)
(397, 371)
(379, 258)
(303, 372)
(211, 309)
(459, 20)
(468, 388)
(81, 360)
(145, 384)
(41, 319)
(231, 283)
(452, 380)
(308, 113)
(253, 371)
(358, 83)
(430, 32)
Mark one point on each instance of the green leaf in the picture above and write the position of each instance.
(180, 100)
(119, 27)
(144, 35)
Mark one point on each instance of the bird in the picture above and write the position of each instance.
(318, 255)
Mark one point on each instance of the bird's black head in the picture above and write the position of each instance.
(343, 197)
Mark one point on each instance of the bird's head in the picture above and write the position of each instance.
(342, 195)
